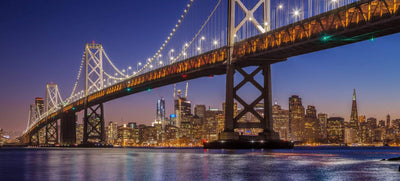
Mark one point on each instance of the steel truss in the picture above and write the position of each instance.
(266, 118)
(51, 132)
(53, 97)
(93, 129)
(93, 68)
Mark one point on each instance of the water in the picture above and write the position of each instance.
(301, 163)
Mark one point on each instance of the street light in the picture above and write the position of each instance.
(199, 48)
(171, 56)
(215, 42)
(183, 49)
(129, 68)
(137, 66)
(280, 7)
(296, 14)
(158, 57)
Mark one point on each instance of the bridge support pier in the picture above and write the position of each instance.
(93, 125)
(267, 139)
(231, 121)
(51, 132)
(68, 129)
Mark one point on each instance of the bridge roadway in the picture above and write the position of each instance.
(352, 23)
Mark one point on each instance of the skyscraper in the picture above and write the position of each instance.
(322, 118)
(388, 121)
(182, 107)
(335, 130)
(160, 113)
(296, 118)
(200, 111)
(112, 132)
(311, 125)
(353, 128)
(281, 121)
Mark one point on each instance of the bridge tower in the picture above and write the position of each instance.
(53, 102)
(93, 121)
(231, 121)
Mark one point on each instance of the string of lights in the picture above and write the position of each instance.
(77, 79)
(150, 60)
(198, 32)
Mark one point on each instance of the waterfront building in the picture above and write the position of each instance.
(171, 134)
(149, 136)
(323, 118)
(112, 132)
(296, 119)
(186, 130)
(311, 126)
(210, 125)
(335, 130)
(371, 125)
(351, 135)
(281, 121)
(159, 132)
(379, 135)
(79, 133)
(127, 136)
(363, 132)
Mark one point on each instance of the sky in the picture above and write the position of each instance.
(43, 41)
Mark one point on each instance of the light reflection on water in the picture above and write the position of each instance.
(78, 164)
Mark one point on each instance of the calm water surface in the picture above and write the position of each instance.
(301, 163)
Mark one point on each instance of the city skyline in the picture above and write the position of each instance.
(323, 79)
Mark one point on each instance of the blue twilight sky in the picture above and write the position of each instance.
(43, 41)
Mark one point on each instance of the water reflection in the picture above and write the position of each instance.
(198, 164)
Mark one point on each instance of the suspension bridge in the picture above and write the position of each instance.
(256, 34)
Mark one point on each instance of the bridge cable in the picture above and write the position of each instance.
(168, 38)
(198, 32)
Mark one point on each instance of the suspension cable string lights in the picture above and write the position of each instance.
(198, 32)
(77, 79)
(168, 38)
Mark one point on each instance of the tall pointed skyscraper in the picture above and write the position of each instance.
(354, 113)
(352, 133)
